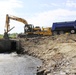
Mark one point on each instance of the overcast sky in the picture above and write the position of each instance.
(37, 12)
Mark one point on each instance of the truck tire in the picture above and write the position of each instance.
(61, 32)
(54, 32)
(72, 31)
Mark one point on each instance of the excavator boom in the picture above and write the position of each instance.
(7, 26)
(18, 19)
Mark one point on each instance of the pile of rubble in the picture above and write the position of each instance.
(58, 53)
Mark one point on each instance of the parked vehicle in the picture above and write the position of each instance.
(63, 27)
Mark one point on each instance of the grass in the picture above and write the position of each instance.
(13, 35)
(1, 36)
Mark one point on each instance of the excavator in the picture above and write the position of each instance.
(29, 29)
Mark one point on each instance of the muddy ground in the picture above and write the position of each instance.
(58, 53)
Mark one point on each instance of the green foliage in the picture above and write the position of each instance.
(1, 36)
(13, 35)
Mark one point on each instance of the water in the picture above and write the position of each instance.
(12, 64)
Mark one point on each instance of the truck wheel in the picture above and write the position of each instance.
(72, 31)
(55, 33)
(61, 32)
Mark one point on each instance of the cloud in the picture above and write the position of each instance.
(8, 7)
(47, 18)
(16, 3)
(67, 3)
(71, 3)
(50, 5)
(44, 19)
(44, 5)
(54, 4)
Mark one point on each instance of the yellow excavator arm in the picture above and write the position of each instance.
(7, 25)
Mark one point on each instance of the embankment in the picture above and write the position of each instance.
(58, 53)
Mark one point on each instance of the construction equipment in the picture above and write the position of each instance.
(46, 31)
(37, 28)
(64, 27)
(28, 28)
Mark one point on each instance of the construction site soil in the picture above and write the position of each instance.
(58, 53)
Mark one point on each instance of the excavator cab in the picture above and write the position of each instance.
(28, 28)
(31, 30)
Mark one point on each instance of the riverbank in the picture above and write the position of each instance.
(58, 53)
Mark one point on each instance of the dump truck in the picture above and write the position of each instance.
(64, 27)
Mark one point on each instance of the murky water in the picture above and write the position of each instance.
(12, 64)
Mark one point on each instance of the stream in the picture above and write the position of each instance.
(13, 64)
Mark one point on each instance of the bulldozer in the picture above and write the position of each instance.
(46, 31)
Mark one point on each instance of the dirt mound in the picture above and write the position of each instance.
(58, 53)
